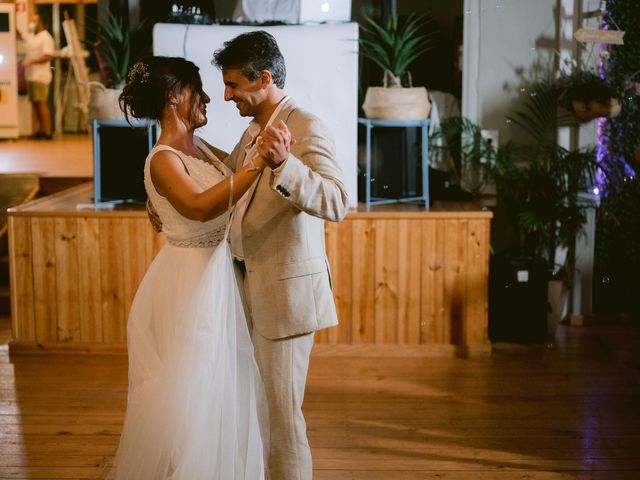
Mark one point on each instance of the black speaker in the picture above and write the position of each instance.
(518, 299)
(119, 154)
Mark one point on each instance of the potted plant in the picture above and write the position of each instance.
(539, 185)
(114, 53)
(394, 47)
(587, 95)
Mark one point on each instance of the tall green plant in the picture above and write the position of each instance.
(395, 45)
(550, 210)
(113, 45)
(539, 183)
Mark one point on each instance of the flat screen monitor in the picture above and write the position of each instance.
(119, 153)
(4, 22)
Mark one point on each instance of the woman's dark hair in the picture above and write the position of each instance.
(153, 80)
(251, 53)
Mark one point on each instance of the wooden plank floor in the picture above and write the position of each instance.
(568, 410)
(66, 156)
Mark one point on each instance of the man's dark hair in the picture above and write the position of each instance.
(45, 16)
(251, 53)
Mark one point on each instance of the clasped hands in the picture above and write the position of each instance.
(274, 144)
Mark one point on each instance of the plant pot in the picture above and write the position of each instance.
(586, 111)
(558, 298)
(396, 103)
(103, 102)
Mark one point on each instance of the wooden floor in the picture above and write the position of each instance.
(569, 410)
(66, 156)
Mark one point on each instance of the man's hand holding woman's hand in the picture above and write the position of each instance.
(274, 144)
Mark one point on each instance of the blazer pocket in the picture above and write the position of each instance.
(300, 269)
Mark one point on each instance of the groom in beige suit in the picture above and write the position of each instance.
(277, 236)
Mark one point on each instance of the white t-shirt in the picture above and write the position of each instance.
(35, 46)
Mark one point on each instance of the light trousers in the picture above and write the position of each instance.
(283, 365)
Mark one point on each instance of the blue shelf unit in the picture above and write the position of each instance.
(370, 125)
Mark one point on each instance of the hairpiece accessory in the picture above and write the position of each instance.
(140, 72)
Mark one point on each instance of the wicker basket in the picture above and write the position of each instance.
(103, 103)
(586, 111)
(396, 103)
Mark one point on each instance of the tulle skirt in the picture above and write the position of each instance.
(196, 407)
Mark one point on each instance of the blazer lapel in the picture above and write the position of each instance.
(284, 116)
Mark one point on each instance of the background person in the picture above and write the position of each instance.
(39, 47)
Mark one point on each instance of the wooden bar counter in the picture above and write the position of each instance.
(407, 281)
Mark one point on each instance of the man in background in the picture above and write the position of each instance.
(39, 48)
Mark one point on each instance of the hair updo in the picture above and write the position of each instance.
(152, 81)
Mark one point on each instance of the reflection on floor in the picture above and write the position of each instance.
(566, 410)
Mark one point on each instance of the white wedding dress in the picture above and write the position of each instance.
(195, 407)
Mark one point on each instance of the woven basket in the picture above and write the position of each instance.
(396, 103)
(103, 103)
(586, 111)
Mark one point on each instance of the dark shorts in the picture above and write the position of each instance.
(38, 92)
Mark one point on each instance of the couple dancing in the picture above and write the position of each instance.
(222, 325)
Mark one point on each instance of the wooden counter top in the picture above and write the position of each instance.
(77, 202)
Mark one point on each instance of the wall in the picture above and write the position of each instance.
(322, 77)
(501, 38)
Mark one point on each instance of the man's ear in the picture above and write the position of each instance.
(265, 78)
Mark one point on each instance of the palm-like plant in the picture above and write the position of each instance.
(546, 197)
(460, 141)
(113, 47)
(539, 184)
(396, 45)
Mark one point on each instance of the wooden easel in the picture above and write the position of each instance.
(77, 69)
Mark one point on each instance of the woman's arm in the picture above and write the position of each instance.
(171, 180)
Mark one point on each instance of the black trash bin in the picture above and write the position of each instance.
(518, 299)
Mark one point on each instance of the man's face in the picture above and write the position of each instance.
(35, 23)
(246, 94)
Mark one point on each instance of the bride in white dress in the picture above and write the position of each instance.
(195, 406)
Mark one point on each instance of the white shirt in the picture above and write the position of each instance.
(250, 151)
(35, 46)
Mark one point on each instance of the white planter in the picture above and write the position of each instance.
(103, 102)
(396, 103)
(558, 298)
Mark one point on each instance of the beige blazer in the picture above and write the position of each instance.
(288, 278)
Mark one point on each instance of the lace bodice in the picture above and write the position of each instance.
(179, 230)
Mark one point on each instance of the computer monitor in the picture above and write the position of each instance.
(119, 154)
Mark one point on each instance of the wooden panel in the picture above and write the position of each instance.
(44, 279)
(455, 233)
(342, 267)
(363, 280)
(433, 324)
(409, 276)
(477, 272)
(67, 279)
(90, 279)
(405, 278)
(21, 266)
(386, 281)
(112, 281)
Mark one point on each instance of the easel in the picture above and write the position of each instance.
(77, 69)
